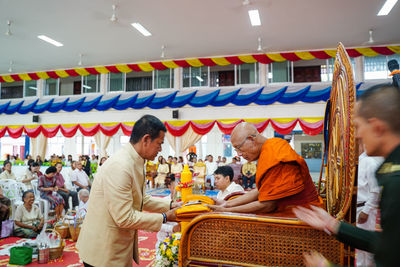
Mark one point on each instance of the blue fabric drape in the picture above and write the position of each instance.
(215, 98)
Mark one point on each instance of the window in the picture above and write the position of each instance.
(124, 139)
(55, 145)
(91, 84)
(51, 87)
(30, 88)
(247, 73)
(306, 71)
(116, 82)
(195, 76)
(12, 90)
(70, 85)
(88, 147)
(280, 72)
(311, 150)
(376, 67)
(12, 146)
(163, 78)
(139, 81)
(222, 76)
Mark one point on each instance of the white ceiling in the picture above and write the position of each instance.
(188, 28)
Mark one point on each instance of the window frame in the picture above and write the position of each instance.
(256, 71)
(57, 88)
(24, 86)
(171, 80)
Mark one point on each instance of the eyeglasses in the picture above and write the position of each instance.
(244, 141)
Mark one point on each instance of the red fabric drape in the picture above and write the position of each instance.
(89, 131)
(69, 131)
(110, 130)
(284, 128)
(310, 128)
(202, 129)
(227, 128)
(177, 130)
(33, 132)
(127, 130)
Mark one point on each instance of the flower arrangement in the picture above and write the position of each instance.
(184, 185)
(168, 251)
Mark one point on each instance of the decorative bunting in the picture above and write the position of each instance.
(159, 100)
(198, 62)
(310, 126)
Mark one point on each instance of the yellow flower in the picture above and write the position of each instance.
(169, 253)
(166, 240)
(176, 242)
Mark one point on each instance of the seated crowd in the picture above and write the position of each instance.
(51, 186)
(161, 171)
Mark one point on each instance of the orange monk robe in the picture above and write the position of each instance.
(283, 176)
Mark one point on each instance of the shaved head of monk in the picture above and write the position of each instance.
(247, 141)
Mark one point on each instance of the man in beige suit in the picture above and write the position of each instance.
(117, 200)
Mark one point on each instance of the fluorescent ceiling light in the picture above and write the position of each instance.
(141, 29)
(387, 6)
(254, 17)
(31, 87)
(199, 78)
(49, 40)
(86, 86)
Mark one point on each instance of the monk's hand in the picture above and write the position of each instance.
(176, 228)
(217, 208)
(317, 218)
(362, 218)
(220, 202)
(314, 259)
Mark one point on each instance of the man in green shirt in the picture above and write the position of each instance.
(377, 124)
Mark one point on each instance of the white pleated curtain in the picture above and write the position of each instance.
(39, 146)
(102, 142)
(181, 143)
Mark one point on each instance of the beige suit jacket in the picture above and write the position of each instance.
(109, 234)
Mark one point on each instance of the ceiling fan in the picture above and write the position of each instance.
(371, 39)
(260, 47)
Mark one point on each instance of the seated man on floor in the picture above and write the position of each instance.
(224, 182)
(283, 180)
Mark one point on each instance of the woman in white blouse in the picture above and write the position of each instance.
(28, 217)
(31, 173)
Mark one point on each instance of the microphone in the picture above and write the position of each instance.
(393, 66)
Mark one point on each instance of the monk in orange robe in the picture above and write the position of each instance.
(282, 178)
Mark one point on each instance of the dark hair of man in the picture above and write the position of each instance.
(6, 162)
(172, 177)
(58, 163)
(225, 171)
(51, 169)
(148, 124)
(382, 101)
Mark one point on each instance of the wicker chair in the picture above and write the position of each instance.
(230, 239)
(223, 239)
